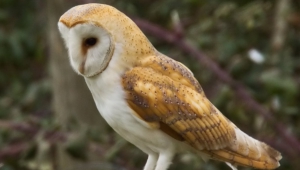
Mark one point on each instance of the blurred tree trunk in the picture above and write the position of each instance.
(72, 101)
(282, 11)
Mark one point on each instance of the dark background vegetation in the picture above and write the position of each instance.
(48, 120)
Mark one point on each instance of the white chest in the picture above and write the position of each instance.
(109, 99)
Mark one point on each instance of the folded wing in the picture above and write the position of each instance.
(164, 94)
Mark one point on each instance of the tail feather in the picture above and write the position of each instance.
(238, 160)
(249, 152)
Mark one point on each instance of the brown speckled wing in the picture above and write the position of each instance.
(179, 107)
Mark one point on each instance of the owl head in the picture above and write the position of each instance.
(96, 33)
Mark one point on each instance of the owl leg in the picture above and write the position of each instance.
(164, 161)
(151, 161)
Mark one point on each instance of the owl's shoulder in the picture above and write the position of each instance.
(167, 67)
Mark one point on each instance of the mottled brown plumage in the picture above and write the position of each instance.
(165, 94)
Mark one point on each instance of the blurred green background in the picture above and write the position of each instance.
(48, 120)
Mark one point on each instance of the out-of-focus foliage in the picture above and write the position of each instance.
(224, 30)
(24, 86)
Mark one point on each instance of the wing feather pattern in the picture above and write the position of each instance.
(165, 95)
(157, 98)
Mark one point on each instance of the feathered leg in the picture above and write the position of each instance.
(164, 160)
(151, 161)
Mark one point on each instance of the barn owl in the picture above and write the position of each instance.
(151, 100)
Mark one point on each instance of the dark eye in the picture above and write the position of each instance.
(89, 42)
